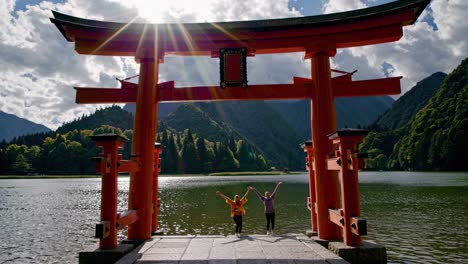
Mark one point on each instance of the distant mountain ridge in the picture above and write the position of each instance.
(351, 112)
(263, 127)
(274, 128)
(406, 107)
(112, 116)
(12, 126)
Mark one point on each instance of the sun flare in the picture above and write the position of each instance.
(174, 11)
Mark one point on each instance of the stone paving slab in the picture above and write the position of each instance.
(251, 249)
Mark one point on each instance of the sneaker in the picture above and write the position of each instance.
(237, 235)
(272, 233)
(268, 233)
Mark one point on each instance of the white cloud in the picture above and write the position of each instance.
(38, 68)
(421, 51)
(334, 6)
(32, 46)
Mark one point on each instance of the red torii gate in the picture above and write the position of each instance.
(317, 36)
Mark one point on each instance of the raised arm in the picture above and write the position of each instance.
(221, 195)
(276, 189)
(260, 196)
(246, 193)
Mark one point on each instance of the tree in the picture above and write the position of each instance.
(32, 155)
(21, 165)
(226, 159)
(232, 143)
(245, 156)
(169, 165)
(261, 162)
(4, 164)
(190, 160)
(206, 163)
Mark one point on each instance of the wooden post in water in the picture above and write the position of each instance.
(323, 123)
(312, 199)
(349, 162)
(141, 183)
(157, 170)
(106, 230)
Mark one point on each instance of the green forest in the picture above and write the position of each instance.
(432, 137)
(71, 153)
(69, 149)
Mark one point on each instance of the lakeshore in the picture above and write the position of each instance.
(240, 173)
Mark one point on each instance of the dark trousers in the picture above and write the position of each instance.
(270, 217)
(238, 220)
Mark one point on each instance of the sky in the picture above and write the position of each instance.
(39, 68)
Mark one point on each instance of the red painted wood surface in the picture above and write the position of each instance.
(143, 138)
(301, 89)
(348, 29)
(109, 190)
(323, 123)
(309, 149)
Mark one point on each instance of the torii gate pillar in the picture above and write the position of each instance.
(323, 123)
(144, 132)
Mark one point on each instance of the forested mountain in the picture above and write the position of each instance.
(274, 128)
(164, 109)
(350, 112)
(434, 139)
(112, 116)
(438, 136)
(190, 116)
(12, 126)
(406, 107)
(262, 127)
(69, 149)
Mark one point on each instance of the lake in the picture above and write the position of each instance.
(419, 217)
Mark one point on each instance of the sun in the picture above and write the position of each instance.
(174, 11)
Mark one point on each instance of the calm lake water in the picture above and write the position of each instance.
(419, 217)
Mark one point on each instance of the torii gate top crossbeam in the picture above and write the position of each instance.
(367, 26)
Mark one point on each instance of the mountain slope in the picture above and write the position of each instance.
(190, 116)
(164, 109)
(263, 127)
(113, 116)
(275, 128)
(438, 135)
(406, 107)
(351, 112)
(12, 126)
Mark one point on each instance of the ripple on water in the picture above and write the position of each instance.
(418, 222)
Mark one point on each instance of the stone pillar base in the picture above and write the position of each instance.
(309, 233)
(369, 252)
(92, 254)
(323, 242)
(159, 232)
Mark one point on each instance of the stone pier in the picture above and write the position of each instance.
(226, 250)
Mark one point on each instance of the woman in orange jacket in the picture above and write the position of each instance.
(237, 209)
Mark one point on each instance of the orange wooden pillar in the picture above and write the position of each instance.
(353, 226)
(157, 170)
(106, 230)
(312, 199)
(144, 129)
(323, 123)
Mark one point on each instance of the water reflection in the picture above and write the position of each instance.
(419, 217)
